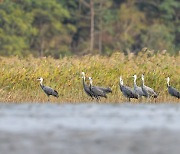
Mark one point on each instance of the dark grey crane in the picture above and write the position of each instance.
(86, 87)
(98, 91)
(127, 91)
(48, 90)
(105, 90)
(172, 91)
(138, 90)
(149, 92)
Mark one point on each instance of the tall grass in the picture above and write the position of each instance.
(18, 77)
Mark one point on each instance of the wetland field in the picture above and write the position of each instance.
(18, 81)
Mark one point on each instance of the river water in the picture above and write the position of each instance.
(89, 128)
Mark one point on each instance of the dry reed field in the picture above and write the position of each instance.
(18, 77)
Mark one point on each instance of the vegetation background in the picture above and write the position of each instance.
(57, 39)
(19, 76)
(77, 27)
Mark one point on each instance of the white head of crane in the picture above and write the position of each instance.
(142, 78)
(90, 80)
(121, 80)
(83, 75)
(135, 78)
(41, 80)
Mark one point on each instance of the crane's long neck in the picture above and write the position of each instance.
(91, 83)
(41, 83)
(83, 79)
(143, 82)
(168, 83)
(121, 81)
(135, 82)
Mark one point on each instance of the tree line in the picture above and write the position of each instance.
(76, 27)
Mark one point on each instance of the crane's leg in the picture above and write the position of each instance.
(140, 99)
(98, 99)
(155, 100)
(92, 98)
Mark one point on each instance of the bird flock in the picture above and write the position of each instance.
(96, 92)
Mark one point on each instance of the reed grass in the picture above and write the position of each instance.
(18, 77)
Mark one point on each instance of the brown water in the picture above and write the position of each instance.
(89, 129)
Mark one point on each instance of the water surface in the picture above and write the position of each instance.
(89, 128)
